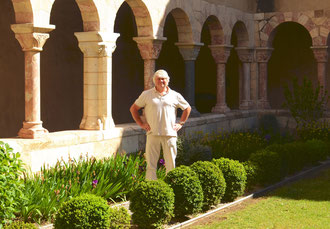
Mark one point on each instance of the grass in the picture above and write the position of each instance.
(305, 204)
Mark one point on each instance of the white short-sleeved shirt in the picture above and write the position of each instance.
(160, 111)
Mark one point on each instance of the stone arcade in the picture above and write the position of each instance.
(70, 69)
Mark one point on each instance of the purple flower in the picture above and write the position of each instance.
(141, 168)
(95, 182)
(161, 162)
(267, 137)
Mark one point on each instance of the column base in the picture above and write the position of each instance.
(263, 104)
(96, 123)
(220, 108)
(194, 112)
(32, 130)
(245, 105)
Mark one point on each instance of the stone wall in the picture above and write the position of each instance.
(302, 5)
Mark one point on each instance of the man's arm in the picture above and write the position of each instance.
(183, 119)
(136, 116)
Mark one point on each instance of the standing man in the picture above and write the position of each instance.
(160, 104)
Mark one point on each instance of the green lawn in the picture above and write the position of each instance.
(305, 204)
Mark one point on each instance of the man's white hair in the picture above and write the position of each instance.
(160, 73)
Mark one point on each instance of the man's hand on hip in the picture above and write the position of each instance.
(146, 127)
(177, 127)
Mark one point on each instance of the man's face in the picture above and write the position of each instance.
(161, 82)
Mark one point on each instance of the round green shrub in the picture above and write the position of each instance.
(187, 190)
(235, 177)
(296, 155)
(85, 211)
(251, 174)
(119, 218)
(268, 166)
(212, 182)
(152, 204)
(21, 225)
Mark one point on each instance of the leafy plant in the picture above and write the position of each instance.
(85, 211)
(235, 176)
(11, 186)
(187, 190)
(305, 103)
(235, 145)
(190, 151)
(212, 181)
(251, 174)
(152, 204)
(111, 178)
(119, 218)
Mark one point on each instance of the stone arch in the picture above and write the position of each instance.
(126, 52)
(61, 69)
(241, 34)
(142, 18)
(23, 11)
(90, 15)
(205, 66)
(274, 20)
(216, 31)
(183, 25)
(291, 58)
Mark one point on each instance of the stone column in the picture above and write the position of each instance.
(263, 55)
(321, 57)
(220, 54)
(189, 52)
(149, 49)
(32, 39)
(246, 56)
(97, 48)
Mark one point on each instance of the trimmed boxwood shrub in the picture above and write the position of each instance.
(235, 176)
(268, 166)
(21, 225)
(187, 190)
(85, 211)
(152, 204)
(296, 155)
(251, 174)
(119, 218)
(212, 181)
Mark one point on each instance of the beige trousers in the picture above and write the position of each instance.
(153, 144)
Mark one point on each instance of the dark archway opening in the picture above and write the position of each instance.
(233, 67)
(128, 68)
(292, 58)
(11, 75)
(170, 58)
(206, 74)
(62, 70)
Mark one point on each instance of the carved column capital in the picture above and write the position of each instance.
(30, 37)
(149, 46)
(245, 54)
(97, 44)
(220, 53)
(189, 51)
(263, 54)
(320, 53)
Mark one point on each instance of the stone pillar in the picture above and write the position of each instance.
(263, 55)
(246, 56)
(32, 39)
(220, 54)
(189, 52)
(97, 48)
(321, 57)
(149, 49)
